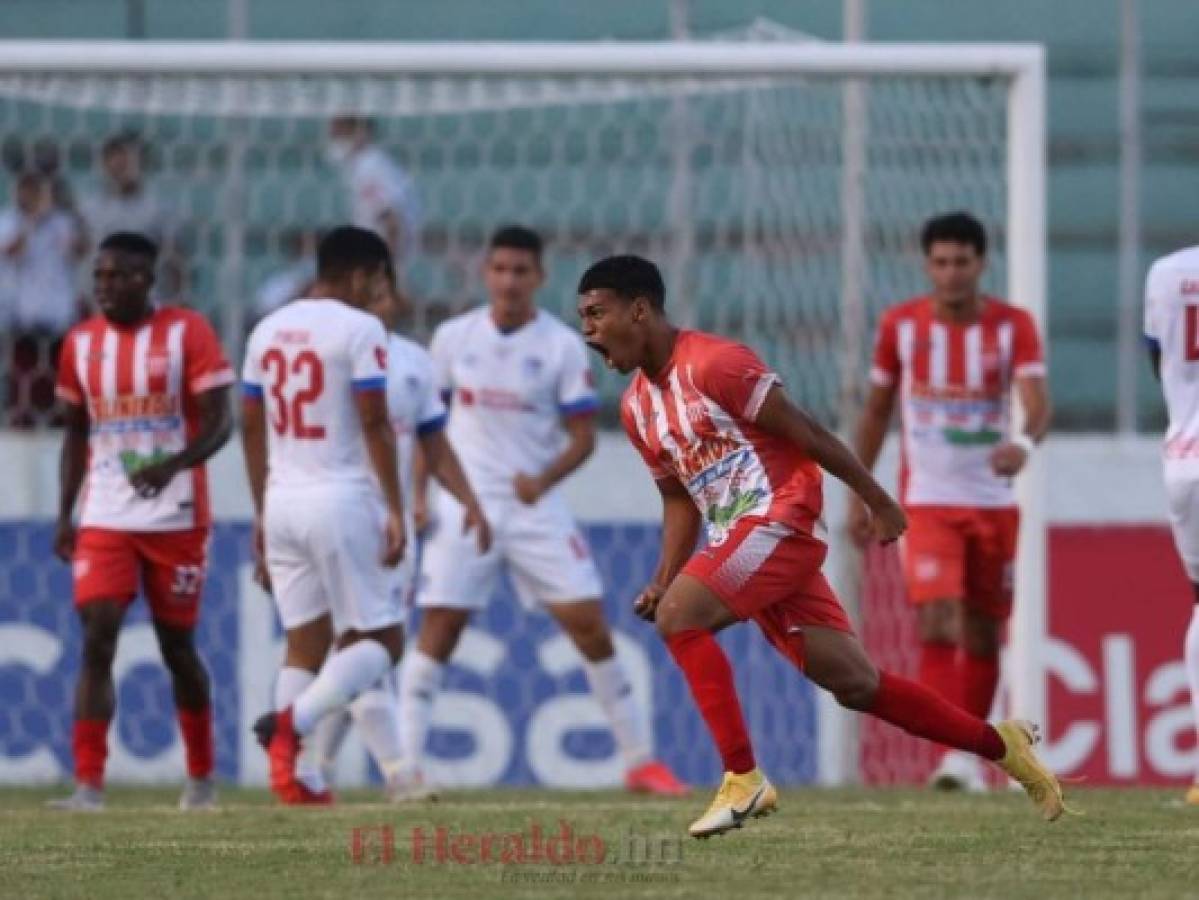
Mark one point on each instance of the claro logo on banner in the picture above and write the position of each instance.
(1119, 706)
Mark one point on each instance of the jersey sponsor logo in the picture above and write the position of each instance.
(134, 406)
(133, 461)
(710, 460)
(495, 399)
(722, 516)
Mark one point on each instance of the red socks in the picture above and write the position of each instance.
(89, 743)
(196, 728)
(710, 678)
(980, 678)
(921, 712)
(939, 670)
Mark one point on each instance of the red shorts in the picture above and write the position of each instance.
(108, 565)
(770, 573)
(961, 553)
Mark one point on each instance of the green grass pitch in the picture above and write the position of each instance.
(822, 843)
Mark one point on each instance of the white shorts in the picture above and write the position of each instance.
(548, 558)
(1182, 494)
(323, 552)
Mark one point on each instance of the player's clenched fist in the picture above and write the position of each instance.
(646, 604)
(889, 523)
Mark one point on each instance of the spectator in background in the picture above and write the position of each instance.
(293, 280)
(40, 246)
(125, 202)
(383, 196)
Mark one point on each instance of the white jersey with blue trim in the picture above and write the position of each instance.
(1172, 326)
(413, 402)
(509, 392)
(306, 360)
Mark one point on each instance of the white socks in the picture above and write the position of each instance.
(326, 740)
(376, 714)
(420, 680)
(345, 675)
(1191, 657)
(290, 684)
(612, 688)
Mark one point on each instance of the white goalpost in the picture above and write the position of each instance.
(602, 147)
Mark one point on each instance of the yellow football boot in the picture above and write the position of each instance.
(740, 797)
(1021, 763)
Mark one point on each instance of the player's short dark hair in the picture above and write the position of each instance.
(348, 249)
(627, 276)
(133, 243)
(957, 228)
(517, 237)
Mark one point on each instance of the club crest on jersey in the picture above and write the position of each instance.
(697, 412)
(158, 364)
(412, 383)
(531, 366)
(381, 357)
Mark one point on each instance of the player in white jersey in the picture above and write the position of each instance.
(1172, 335)
(418, 417)
(329, 522)
(521, 420)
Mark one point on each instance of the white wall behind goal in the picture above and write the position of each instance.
(1091, 479)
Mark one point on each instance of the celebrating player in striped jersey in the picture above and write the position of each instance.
(953, 358)
(727, 447)
(146, 394)
(1172, 335)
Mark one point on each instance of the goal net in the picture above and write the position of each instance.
(780, 187)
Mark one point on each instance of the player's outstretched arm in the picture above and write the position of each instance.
(440, 458)
(381, 449)
(782, 418)
(72, 464)
(216, 425)
(681, 522)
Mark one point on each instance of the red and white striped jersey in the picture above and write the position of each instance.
(955, 385)
(695, 421)
(139, 385)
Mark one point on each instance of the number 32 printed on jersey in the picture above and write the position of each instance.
(288, 416)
